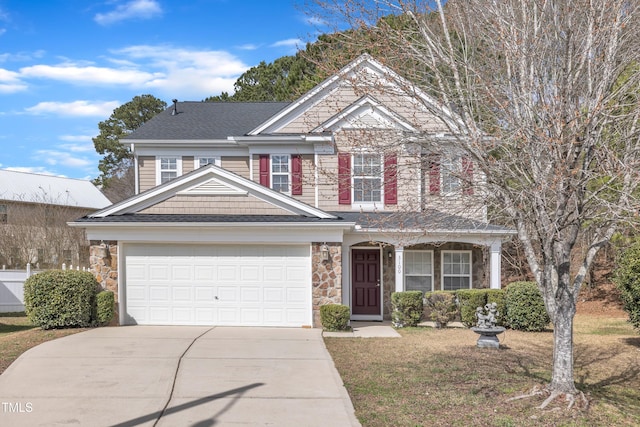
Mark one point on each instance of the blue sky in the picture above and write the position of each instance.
(66, 64)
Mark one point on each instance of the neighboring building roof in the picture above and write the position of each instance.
(50, 190)
(206, 120)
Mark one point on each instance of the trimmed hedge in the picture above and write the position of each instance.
(525, 307)
(407, 308)
(469, 300)
(60, 298)
(442, 305)
(105, 306)
(335, 317)
(627, 279)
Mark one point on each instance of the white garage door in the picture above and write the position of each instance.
(218, 285)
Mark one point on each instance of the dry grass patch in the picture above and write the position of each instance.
(18, 335)
(439, 377)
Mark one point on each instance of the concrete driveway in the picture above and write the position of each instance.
(177, 376)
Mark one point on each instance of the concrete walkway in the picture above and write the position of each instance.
(363, 329)
(177, 376)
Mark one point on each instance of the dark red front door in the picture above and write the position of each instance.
(365, 281)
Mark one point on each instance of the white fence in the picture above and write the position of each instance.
(12, 288)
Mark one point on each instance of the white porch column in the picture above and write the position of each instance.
(496, 262)
(399, 268)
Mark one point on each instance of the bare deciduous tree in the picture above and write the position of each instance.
(546, 94)
(36, 232)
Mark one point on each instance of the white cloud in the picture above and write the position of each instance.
(288, 43)
(76, 138)
(189, 74)
(32, 169)
(88, 74)
(10, 82)
(75, 108)
(248, 46)
(55, 157)
(136, 9)
(165, 69)
(78, 148)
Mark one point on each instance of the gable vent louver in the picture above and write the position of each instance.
(212, 187)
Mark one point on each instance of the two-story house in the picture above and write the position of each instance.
(259, 213)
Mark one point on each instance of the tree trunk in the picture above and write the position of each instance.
(562, 374)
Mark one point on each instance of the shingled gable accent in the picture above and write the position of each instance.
(204, 177)
(327, 87)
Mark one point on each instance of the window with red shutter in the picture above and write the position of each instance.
(391, 179)
(434, 174)
(467, 173)
(344, 178)
(264, 170)
(296, 175)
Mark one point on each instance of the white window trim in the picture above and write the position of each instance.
(430, 252)
(217, 160)
(288, 174)
(159, 172)
(470, 275)
(454, 174)
(368, 204)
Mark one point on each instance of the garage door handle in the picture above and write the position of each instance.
(216, 297)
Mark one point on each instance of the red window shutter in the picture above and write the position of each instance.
(391, 179)
(467, 173)
(296, 175)
(434, 174)
(264, 170)
(344, 178)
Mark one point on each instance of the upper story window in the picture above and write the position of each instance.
(203, 161)
(282, 172)
(456, 270)
(449, 175)
(367, 178)
(3, 214)
(168, 169)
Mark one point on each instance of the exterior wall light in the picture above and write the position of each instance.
(324, 252)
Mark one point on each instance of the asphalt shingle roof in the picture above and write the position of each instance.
(207, 120)
(428, 220)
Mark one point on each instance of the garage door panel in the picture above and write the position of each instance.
(273, 295)
(182, 293)
(296, 296)
(231, 285)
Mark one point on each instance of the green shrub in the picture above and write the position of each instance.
(627, 279)
(335, 317)
(525, 307)
(105, 306)
(60, 299)
(469, 300)
(407, 308)
(442, 305)
(498, 296)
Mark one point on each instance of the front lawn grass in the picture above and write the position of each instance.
(439, 378)
(18, 335)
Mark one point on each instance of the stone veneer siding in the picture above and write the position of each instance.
(103, 263)
(326, 278)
